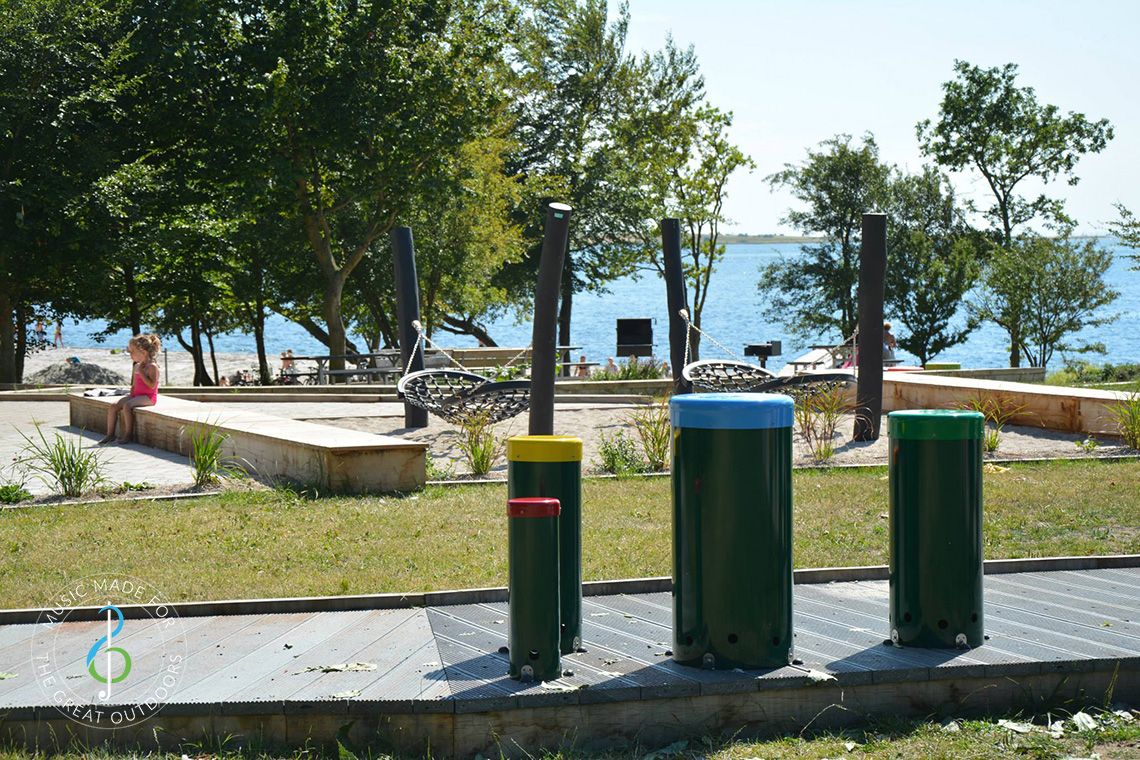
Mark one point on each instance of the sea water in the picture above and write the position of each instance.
(735, 315)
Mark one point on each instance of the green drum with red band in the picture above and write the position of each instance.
(532, 618)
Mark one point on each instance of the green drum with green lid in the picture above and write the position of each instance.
(936, 528)
(532, 589)
(551, 465)
(732, 529)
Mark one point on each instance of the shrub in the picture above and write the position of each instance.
(13, 493)
(650, 369)
(1127, 416)
(618, 454)
(653, 428)
(479, 444)
(62, 465)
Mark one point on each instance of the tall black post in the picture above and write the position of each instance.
(545, 335)
(678, 299)
(407, 312)
(872, 276)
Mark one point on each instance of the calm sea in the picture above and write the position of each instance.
(733, 315)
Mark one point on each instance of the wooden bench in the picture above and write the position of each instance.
(333, 459)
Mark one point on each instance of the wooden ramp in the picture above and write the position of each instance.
(333, 459)
(420, 678)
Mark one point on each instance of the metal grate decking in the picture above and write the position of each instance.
(437, 674)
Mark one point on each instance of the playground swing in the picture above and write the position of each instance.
(737, 375)
(460, 395)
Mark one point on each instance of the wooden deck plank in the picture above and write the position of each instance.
(262, 652)
(368, 639)
(1057, 606)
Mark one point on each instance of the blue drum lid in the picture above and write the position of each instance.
(731, 411)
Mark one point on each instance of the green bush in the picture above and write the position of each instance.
(13, 493)
(207, 456)
(618, 454)
(650, 369)
(1081, 372)
(479, 443)
(655, 431)
(1127, 416)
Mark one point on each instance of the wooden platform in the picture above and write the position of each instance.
(333, 459)
(434, 677)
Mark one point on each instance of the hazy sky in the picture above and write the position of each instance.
(795, 73)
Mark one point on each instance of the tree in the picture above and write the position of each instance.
(58, 83)
(576, 88)
(815, 292)
(989, 124)
(1127, 229)
(1054, 285)
(933, 261)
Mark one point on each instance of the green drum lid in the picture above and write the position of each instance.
(936, 425)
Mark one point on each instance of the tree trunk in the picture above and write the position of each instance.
(259, 339)
(194, 347)
(334, 288)
(1015, 344)
(22, 320)
(461, 326)
(7, 340)
(213, 356)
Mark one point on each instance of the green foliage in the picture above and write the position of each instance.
(987, 124)
(1127, 229)
(479, 443)
(654, 429)
(1089, 445)
(208, 458)
(818, 411)
(1080, 372)
(439, 469)
(617, 454)
(1127, 416)
(61, 464)
(14, 493)
(649, 369)
(990, 125)
(1044, 289)
(998, 409)
(815, 293)
(932, 262)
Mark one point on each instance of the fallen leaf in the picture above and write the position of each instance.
(950, 726)
(1021, 728)
(1084, 722)
(346, 694)
(341, 667)
(849, 746)
(1057, 729)
(4, 676)
(818, 676)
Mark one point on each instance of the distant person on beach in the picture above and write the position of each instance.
(144, 387)
(889, 343)
(59, 334)
(582, 369)
(40, 333)
(610, 366)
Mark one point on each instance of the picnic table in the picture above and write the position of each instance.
(383, 365)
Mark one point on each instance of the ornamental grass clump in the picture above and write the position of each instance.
(479, 443)
(1127, 416)
(208, 459)
(62, 465)
(997, 409)
(817, 413)
(653, 428)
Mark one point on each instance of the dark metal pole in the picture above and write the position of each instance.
(872, 274)
(677, 298)
(407, 312)
(545, 335)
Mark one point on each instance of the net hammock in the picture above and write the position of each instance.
(737, 375)
(460, 395)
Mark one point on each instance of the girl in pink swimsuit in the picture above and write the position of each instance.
(144, 387)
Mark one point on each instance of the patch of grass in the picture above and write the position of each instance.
(617, 454)
(652, 425)
(480, 445)
(207, 456)
(281, 543)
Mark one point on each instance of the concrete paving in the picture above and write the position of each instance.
(121, 463)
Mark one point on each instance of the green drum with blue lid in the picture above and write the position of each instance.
(936, 564)
(732, 529)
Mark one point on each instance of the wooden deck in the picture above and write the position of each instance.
(435, 676)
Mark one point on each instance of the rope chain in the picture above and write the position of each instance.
(690, 326)
(424, 339)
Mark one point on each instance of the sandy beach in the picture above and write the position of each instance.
(175, 363)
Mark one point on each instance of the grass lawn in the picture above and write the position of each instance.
(276, 543)
(980, 739)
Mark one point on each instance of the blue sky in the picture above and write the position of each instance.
(796, 73)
